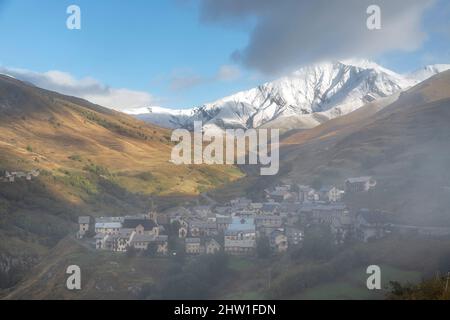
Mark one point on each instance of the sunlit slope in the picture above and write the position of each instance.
(70, 137)
(92, 161)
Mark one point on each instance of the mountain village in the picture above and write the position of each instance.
(158, 152)
(238, 227)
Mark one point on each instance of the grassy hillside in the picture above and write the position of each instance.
(92, 161)
(404, 144)
(297, 275)
(104, 275)
(107, 275)
(72, 139)
(342, 275)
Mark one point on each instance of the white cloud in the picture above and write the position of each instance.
(86, 88)
(187, 79)
(122, 99)
(183, 80)
(228, 73)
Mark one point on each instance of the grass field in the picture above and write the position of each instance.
(352, 286)
(240, 264)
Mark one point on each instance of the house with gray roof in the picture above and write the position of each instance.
(268, 220)
(108, 227)
(359, 184)
(193, 246)
(240, 247)
(223, 221)
(371, 225)
(212, 246)
(84, 224)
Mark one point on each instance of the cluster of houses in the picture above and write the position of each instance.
(326, 194)
(237, 227)
(14, 175)
(325, 206)
(119, 234)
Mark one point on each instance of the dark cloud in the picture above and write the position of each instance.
(290, 33)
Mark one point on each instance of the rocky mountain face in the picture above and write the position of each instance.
(303, 99)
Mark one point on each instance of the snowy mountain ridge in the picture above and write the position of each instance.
(303, 99)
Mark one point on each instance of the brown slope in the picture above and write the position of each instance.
(47, 130)
(93, 161)
(103, 275)
(405, 146)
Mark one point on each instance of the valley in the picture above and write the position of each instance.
(254, 151)
(96, 162)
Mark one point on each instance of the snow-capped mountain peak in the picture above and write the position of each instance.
(428, 71)
(302, 99)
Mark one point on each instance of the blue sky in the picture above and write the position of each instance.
(436, 47)
(159, 47)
